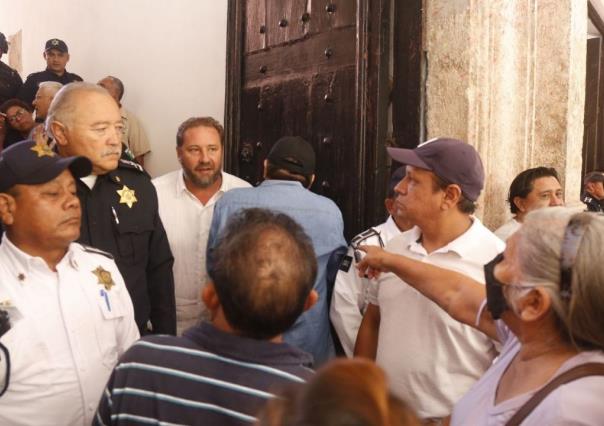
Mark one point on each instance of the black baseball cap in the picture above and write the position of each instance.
(28, 163)
(55, 43)
(452, 160)
(294, 154)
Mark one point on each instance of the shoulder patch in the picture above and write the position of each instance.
(131, 165)
(89, 249)
(345, 263)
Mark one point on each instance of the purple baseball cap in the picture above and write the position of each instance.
(452, 160)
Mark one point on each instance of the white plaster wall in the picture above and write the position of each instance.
(170, 55)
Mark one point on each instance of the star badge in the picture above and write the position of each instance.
(127, 196)
(43, 150)
(104, 277)
(55, 42)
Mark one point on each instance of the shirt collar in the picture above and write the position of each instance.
(21, 263)
(464, 245)
(274, 182)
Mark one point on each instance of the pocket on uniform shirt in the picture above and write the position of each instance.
(133, 240)
(112, 314)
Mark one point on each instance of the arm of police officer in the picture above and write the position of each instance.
(457, 294)
(161, 281)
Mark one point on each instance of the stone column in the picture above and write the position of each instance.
(508, 76)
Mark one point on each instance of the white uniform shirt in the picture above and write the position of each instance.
(507, 229)
(67, 332)
(187, 222)
(349, 298)
(431, 359)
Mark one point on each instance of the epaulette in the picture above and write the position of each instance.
(89, 249)
(132, 165)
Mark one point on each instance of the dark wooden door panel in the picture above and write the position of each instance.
(326, 14)
(255, 31)
(285, 21)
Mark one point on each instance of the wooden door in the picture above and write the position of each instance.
(317, 69)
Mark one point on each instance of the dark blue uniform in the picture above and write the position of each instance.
(10, 82)
(30, 87)
(127, 225)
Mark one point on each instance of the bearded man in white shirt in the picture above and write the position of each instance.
(186, 205)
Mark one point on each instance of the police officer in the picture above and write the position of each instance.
(119, 203)
(593, 195)
(10, 80)
(56, 55)
(68, 310)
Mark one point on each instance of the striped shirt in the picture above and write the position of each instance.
(206, 377)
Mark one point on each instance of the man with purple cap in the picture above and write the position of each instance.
(56, 55)
(65, 313)
(350, 292)
(289, 171)
(431, 359)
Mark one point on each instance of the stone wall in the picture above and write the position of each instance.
(508, 76)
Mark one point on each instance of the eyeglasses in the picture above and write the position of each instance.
(17, 116)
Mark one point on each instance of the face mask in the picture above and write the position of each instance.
(496, 303)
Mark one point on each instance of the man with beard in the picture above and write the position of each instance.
(186, 205)
(119, 204)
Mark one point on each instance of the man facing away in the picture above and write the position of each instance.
(119, 202)
(532, 189)
(222, 372)
(186, 204)
(70, 316)
(431, 359)
(349, 299)
(289, 171)
(56, 55)
(133, 135)
(10, 80)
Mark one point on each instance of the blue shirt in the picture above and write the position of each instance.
(322, 221)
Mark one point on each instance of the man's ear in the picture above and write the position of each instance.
(7, 208)
(264, 168)
(59, 132)
(519, 202)
(311, 180)
(179, 154)
(68, 57)
(209, 297)
(311, 299)
(452, 195)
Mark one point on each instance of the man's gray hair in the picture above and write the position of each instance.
(52, 87)
(62, 108)
(539, 251)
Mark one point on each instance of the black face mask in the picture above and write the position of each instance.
(496, 303)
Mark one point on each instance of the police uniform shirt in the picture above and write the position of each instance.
(10, 82)
(120, 215)
(68, 329)
(30, 87)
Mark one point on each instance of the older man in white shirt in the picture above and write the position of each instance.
(186, 205)
(69, 313)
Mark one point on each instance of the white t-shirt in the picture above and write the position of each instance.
(507, 229)
(349, 298)
(187, 222)
(431, 359)
(575, 403)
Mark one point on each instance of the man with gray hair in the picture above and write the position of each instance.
(119, 203)
(44, 96)
(133, 135)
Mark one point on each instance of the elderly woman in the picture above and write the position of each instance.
(544, 303)
(18, 119)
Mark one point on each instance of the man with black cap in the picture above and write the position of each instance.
(56, 55)
(593, 195)
(351, 292)
(289, 170)
(10, 80)
(69, 314)
(431, 359)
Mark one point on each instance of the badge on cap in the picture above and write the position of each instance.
(104, 277)
(43, 150)
(127, 196)
(54, 42)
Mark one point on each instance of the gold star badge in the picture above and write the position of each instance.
(104, 277)
(43, 150)
(127, 196)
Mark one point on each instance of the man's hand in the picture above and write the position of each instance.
(374, 262)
